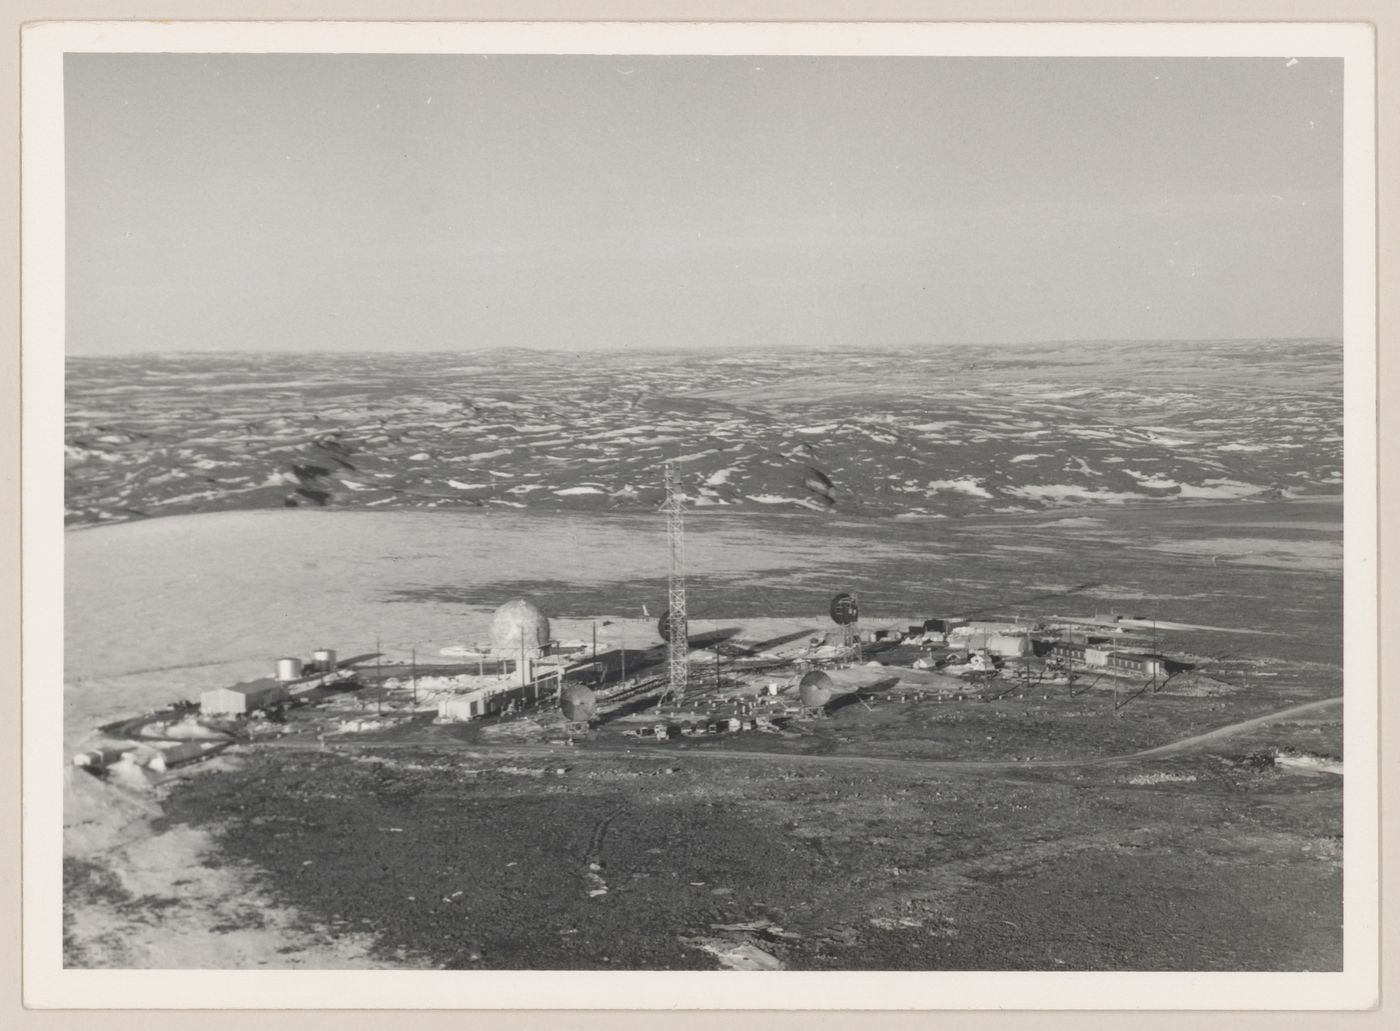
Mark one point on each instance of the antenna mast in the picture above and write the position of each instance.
(677, 644)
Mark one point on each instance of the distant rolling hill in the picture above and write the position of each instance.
(915, 433)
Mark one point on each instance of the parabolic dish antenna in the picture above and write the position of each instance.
(663, 625)
(578, 703)
(815, 689)
(844, 610)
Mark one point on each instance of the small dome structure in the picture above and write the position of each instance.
(578, 703)
(519, 622)
(815, 689)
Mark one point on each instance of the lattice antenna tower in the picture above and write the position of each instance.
(677, 644)
(851, 640)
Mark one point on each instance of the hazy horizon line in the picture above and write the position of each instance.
(785, 347)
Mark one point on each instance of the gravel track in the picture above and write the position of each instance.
(728, 755)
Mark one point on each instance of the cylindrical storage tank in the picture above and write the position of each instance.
(516, 624)
(325, 659)
(288, 669)
(578, 703)
(815, 689)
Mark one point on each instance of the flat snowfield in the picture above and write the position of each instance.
(162, 609)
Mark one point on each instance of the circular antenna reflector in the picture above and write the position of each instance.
(663, 625)
(844, 610)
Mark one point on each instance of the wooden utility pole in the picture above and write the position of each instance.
(1026, 654)
(1112, 671)
(1156, 659)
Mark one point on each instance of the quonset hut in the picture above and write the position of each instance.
(821, 687)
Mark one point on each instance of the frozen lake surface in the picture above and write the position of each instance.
(162, 609)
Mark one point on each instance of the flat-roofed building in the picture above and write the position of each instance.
(1140, 665)
(1067, 651)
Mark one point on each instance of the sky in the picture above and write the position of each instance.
(426, 203)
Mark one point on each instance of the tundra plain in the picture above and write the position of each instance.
(1031, 829)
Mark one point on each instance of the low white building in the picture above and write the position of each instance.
(241, 699)
(487, 701)
(1009, 645)
(465, 706)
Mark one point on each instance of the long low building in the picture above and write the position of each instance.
(1005, 645)
(488, 701)
(1106, 658)
(1140, 665)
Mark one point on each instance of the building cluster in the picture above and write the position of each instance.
(528, 667)
(986, 645)
(519, 633)
(291, 677)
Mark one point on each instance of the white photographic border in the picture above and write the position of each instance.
(48, 985)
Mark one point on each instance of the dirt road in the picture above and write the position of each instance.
(664, 752)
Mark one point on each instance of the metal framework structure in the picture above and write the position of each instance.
(850, 641)
(677, 645)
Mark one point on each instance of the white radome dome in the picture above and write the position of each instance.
(519, 621)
